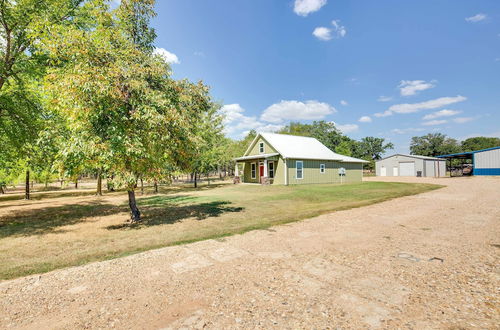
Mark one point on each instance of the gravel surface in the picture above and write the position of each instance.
(425, 261)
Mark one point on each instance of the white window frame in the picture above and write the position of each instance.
(253, 170)
(261, 147)
(322, 168)
(270, 169)
(297, 162)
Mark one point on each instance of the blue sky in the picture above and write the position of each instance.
(386, 68)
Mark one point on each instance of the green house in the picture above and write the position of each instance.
(288, 159)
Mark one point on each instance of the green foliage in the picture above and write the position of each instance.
(479, 143)
(323, 131)
(433, 144)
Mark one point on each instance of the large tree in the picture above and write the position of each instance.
(433, 144)
(479, 142)
(118, 94)
(324, 131)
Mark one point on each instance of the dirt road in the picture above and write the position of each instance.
(425, 261)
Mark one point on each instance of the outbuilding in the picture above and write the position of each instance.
(483, 162)
(288, 159)
(410, 165)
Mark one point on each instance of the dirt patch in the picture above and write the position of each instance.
(366, 267)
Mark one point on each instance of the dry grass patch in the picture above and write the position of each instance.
(63, 231)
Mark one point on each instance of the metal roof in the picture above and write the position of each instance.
(412, 156)
(468, 152)
(301, 147)
(257, 156)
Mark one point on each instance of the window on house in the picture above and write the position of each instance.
(321, 168)
(254, 170)
(270, 169)
(261, 147)
(299, 165)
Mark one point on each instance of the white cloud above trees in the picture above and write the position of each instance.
(167, 56)
(305, 7)
(412, 87)
(405, 108)
(297, 110)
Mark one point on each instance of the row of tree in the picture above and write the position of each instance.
(435, 144)
(82, 90)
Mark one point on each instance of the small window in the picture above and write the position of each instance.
(261, 147)
(300, 169)
(254, 171)
(321, 168)
(270, 169)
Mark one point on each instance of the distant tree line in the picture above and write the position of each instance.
(435, 144)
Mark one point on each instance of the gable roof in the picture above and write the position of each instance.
(411, 156)
(301, 147)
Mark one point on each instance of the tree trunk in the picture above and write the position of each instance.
(27, 192)
(1, 190)
(109, 183)
(195, 182)
(135, 214)
(76, 183)
(142, 187)
(208, 179)
(156, 186)
(99, 183)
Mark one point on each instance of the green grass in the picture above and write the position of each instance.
(68, 231)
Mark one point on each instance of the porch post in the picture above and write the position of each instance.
(236, 169)
(265, 168)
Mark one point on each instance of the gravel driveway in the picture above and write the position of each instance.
(425, 261)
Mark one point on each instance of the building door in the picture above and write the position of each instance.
(407, 169)
(261, 169)
(383, 171)
(395, 171)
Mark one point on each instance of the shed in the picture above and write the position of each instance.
(484, 162)
(410, 165)
(288, 159)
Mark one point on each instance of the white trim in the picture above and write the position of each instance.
(297, 169)
(322, 168)
(253, 173)
(285, 171)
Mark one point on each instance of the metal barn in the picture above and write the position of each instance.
(410, 165)
(484, 162)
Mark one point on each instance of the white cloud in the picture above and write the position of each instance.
(441, 113)
(325, 34)
(305, 7)
(237, 124)
(382, 98)
(365, 119)
(407, 130)
(462, 120)
(347, 128)
(411, 87)
(296, 110)
(344, 102)
(415, 107)
(434, 122)
(199, 54)
(340, 30)
(476, 18)
(167, 56)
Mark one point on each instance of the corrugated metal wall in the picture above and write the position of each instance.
(487, 162)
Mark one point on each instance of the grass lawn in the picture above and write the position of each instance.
(65, 230)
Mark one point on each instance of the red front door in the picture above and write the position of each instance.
(261, 170)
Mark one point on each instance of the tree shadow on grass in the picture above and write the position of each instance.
(49, 219)
(160, 210)
(156, 210)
